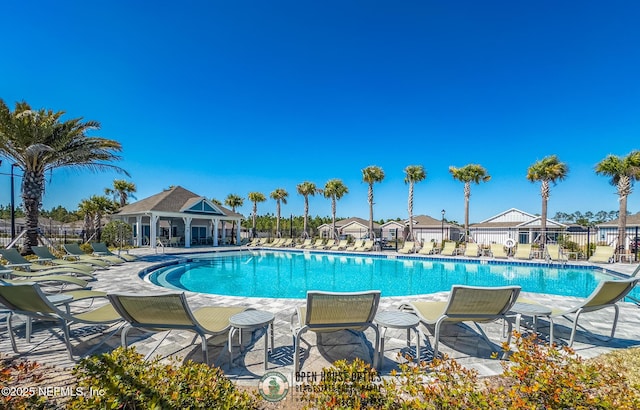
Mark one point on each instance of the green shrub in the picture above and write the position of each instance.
(535, 377)
(86, 248)
(124, 380)
(116, 233)
(18, 380)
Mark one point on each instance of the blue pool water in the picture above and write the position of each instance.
(288, 274)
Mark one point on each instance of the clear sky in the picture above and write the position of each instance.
(237, 96)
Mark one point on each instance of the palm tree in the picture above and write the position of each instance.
(255, 197)
(121, 191)
(39, 141)
(280, 195)
(92, 210)
(335, 190)
(623, 172)
(413, 174)
(371, 175)
(233, 201)
(101, 206)
(468, 174)
(86, 209)
(548, 169)
(306, 189)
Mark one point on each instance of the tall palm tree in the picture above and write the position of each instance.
(255, 197)
(280, 195)
(121, 191)
(413, 175)
(468, 174)
(86, 209)
(306, 189)
(335, 190)
(623, 172)
(101, 206)
(371, 175)
(39, 141)
(233, 201)
(548, 169)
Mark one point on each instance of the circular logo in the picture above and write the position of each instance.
(273, 386)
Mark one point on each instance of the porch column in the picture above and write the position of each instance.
(138, 231)
(153, 222)
(187, 231)
(224, 233)
(215, 231)
(238, 236)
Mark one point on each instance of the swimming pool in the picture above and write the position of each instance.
(289, 274)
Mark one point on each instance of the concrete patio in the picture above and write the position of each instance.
(461, 342)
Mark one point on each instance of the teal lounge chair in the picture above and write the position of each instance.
(44, 254)
(73, 250)
(35, 269)
(100, 249)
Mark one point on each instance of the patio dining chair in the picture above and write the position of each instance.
(170, 311)
(327, 312)
(466, 304)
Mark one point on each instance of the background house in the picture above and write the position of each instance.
(514, 224)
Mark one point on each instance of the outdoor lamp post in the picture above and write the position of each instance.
(442, 226)
(291, 226)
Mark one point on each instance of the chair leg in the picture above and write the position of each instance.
(10, 330)
(573, 328)
(376, 351)
(437, 337)
(205, 353)
(296, 349)
(615, 320)
(67, 338)
(123, 336)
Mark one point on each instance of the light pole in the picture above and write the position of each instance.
(291, 226)
(442, 227)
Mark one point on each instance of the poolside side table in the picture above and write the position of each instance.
(533, 310)
(251, 320)
(398, 320)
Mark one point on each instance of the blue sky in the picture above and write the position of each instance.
(234, 97)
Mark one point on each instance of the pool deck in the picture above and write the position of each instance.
(459, 341)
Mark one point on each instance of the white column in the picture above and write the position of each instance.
(139, 230)
(238, 236)
(153, 222)
(215, 231)
(187, 231)
(224, 233)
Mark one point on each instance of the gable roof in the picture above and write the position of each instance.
(632, 220)
(349, 221)
(512, 218)
(178, 200)
(426, 221)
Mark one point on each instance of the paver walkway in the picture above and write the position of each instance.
(461, 342)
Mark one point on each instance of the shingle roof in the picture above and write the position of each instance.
(171, 200)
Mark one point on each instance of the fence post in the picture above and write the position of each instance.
(588, 242)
